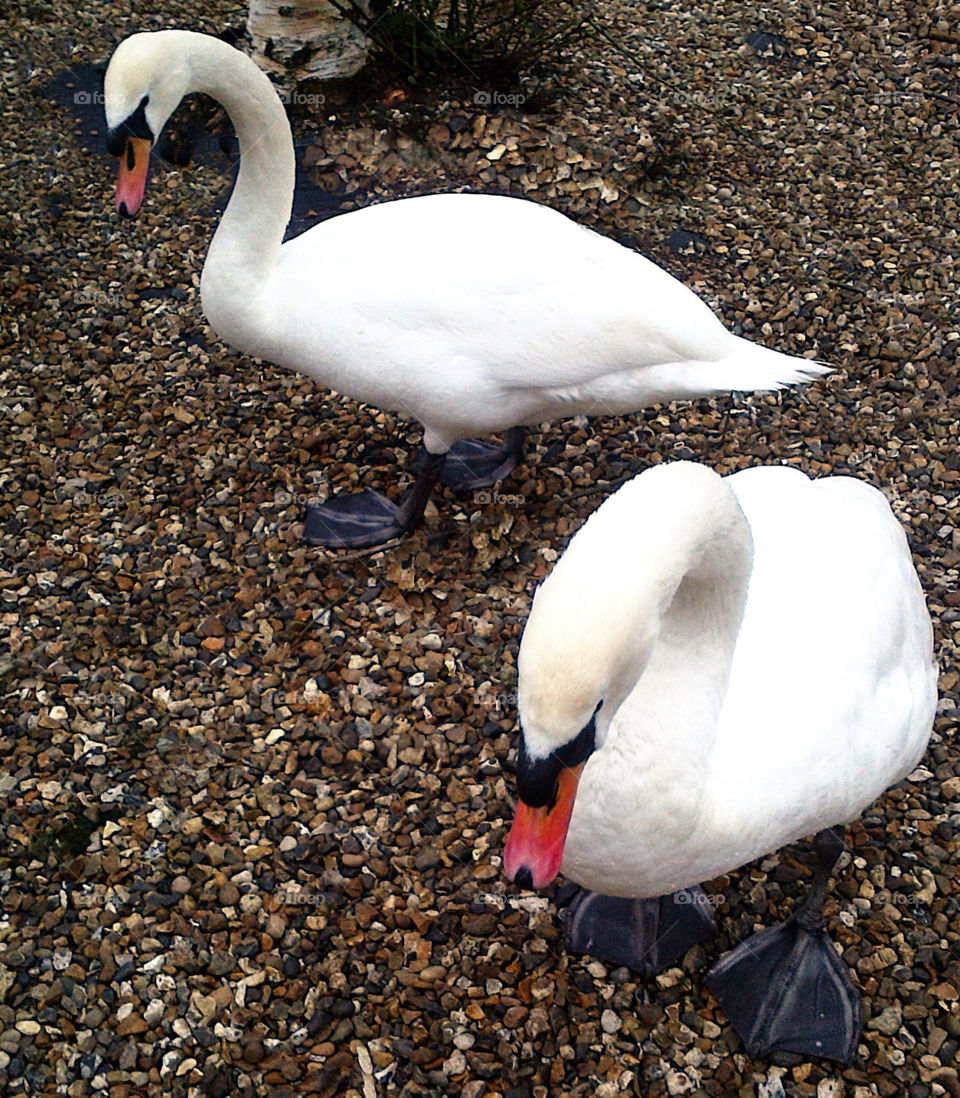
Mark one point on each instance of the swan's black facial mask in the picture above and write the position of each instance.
(537, 778)
(131, 143)
(134, 125)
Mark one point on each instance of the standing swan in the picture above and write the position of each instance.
(717, 667)
(472, 313)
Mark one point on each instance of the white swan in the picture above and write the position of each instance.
(740, 662)
(471, 313)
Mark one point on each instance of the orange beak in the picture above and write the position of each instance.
(132, 180)
(535, 844)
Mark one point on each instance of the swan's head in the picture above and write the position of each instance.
(584, 645)
(579, 657)
(147, 77)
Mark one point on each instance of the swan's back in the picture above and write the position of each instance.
(454, 261)
(484, 311)
(833, 681)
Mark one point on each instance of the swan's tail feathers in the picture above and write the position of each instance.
(752, 368)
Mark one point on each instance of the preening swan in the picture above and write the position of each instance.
(474, 314)
(714, 668)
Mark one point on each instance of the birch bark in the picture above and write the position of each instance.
(305, 40)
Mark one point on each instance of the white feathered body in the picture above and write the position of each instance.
(830, 700)
(474, 313)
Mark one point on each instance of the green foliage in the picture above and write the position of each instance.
(488, 38)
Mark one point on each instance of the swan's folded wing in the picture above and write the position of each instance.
(833, 680)
(534, 298)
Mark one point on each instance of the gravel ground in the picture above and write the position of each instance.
(256, 794)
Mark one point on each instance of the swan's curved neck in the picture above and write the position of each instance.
(642, 612)
(248, 239)
(652, 772)
(673, 708)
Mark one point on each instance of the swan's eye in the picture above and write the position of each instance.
(134, 125)
(580, 749)
(538, 779)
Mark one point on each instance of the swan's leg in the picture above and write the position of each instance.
(785, 989)
(367, 518)
(645, 935)
(472, 464)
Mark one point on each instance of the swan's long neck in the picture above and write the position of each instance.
(664, 731)
(642, 613)
(247, 241)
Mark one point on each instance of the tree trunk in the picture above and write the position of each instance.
(305, 40)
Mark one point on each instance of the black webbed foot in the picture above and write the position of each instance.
(366, 518)
(645, 935)
(472, 464)
(785, 989)
(353, 521)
